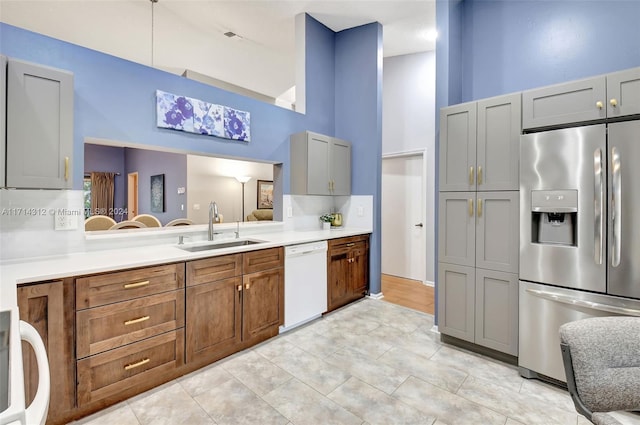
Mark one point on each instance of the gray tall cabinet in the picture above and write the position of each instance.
(478, 225)
(39, 126)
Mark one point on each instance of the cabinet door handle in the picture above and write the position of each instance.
(138, 320)
(66, 168)
(136, 364)
(479, 207)
(246, 286)
(470, 176)
(239, 288)
(136, 285)
(599, 104)
(470, 207)
(613, 102)
(479, 174)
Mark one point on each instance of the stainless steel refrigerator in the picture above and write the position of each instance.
(579, 234)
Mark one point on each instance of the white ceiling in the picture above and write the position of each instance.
(188, 34)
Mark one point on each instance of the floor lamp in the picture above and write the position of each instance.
(243, 180)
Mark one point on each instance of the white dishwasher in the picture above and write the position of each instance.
(305, 283)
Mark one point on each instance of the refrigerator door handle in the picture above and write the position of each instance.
(565, 299)
(616, 200)
(598, 190)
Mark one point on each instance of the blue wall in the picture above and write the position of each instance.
(511, 46)
(115, 99)
(358, 118)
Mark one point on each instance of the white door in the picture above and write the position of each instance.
(403, 217)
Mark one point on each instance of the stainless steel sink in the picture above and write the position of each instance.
(219, 245)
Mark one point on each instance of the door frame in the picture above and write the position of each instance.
(422, 153)
(132, 195)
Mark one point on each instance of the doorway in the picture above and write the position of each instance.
(404, 231)
(132, 195)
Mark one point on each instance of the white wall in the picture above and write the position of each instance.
(213, 179)
(408, 124)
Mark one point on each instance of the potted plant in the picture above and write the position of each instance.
(326, 220)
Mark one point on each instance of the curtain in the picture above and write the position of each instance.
(102, 188)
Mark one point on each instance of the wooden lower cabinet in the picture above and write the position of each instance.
(49, 307)
(112, 373)
(348, 270)
(227, 315)
(214, 319)
(113, 335)
(262, 303)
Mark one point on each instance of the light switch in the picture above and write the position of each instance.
(196, 206)
(289, 212)
(360, 211)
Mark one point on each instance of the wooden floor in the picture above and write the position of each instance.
(408, 293)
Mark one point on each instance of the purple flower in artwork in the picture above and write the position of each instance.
(235, 125)
(185, 107)
(174, 117)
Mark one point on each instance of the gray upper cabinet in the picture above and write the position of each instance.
(623, 93)
(39, 126)
(498, 138)
(479, 145)
(458, 147)
(567, 103)
(320, 165)
(3, 118)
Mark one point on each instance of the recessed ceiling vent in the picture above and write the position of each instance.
(231, 34)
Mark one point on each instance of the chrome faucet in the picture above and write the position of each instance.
(213, 216)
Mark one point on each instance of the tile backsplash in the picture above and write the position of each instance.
(27, 219)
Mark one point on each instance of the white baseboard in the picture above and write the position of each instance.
(435, 330)
(428, 283)
(377, 296)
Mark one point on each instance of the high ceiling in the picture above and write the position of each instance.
(179, 35)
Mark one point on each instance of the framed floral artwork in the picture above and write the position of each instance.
(157, 193)
(265, 194)
(197, 116)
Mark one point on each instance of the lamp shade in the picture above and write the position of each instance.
(243, 179)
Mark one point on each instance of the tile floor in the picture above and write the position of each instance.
(369, 363)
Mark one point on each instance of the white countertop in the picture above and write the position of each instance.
(13, 273)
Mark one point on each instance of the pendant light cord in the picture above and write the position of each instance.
(153, 2)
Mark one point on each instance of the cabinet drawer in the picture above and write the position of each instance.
(104, 328)
(265, 259)
(346, 242)
(144, 364)
(93, 291)
(212, 269)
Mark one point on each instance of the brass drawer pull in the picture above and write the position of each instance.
(351, 244)
(136, 285)
(136, 364)
(138, 320)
